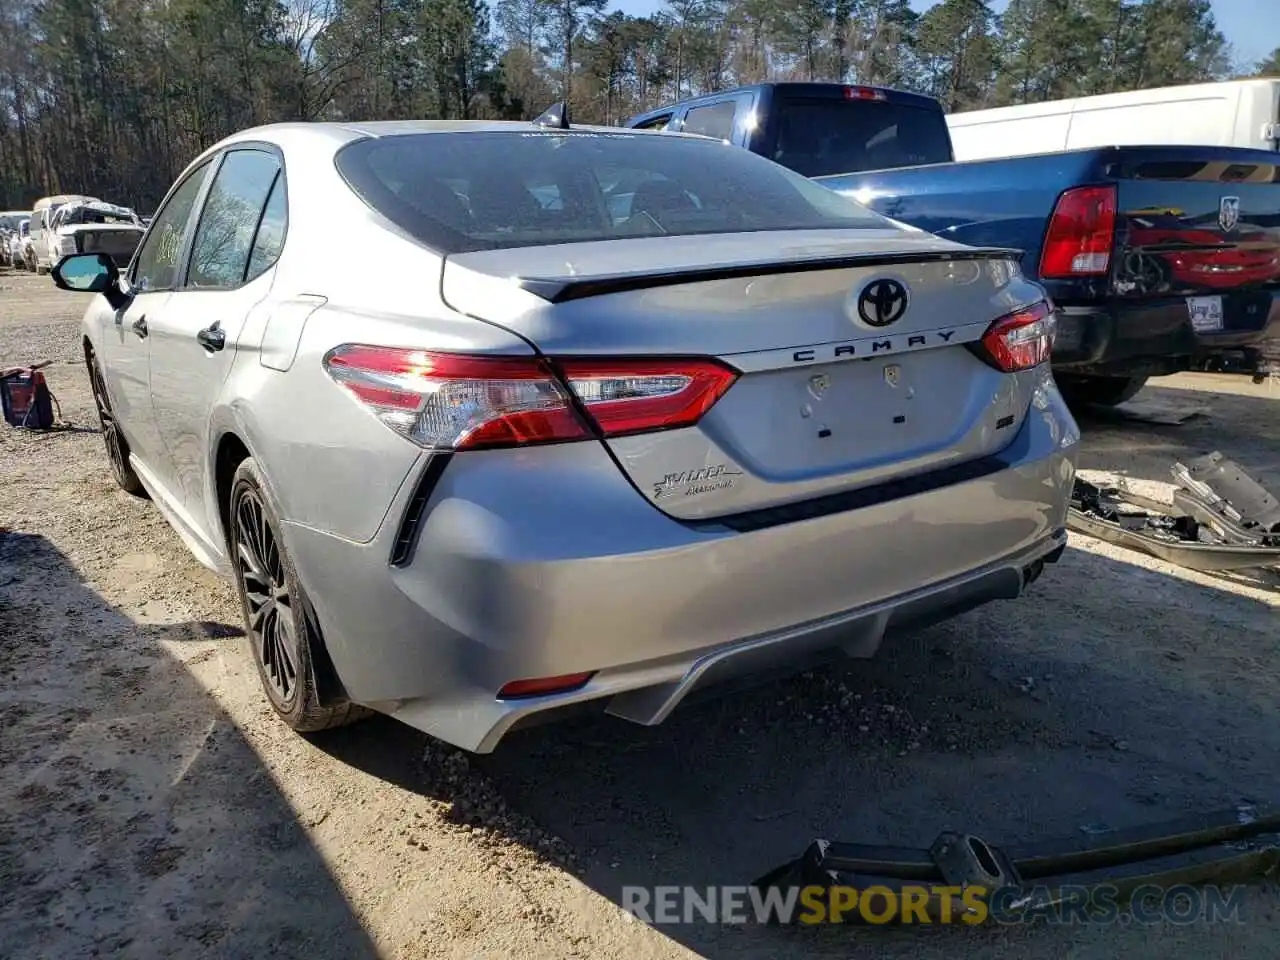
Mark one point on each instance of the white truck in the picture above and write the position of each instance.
(1236, 113)
(79, 224)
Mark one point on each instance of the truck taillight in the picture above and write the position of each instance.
(1020, 340)
(864, 93)
(446, 401)
(1080, 235)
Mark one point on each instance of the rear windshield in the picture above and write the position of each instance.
(818, 138)
(459, 192)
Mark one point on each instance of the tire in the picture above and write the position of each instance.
(115, 442)
(1100, 391)
(282, 636)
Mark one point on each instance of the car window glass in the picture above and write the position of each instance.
(156, 266)
(824, 137)
(270, 239)
(229, 221)
(658, 123)
(715, 120)
(496, 190)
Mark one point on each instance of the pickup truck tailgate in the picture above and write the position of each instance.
(1199, 225)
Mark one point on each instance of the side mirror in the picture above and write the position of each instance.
(89, 273)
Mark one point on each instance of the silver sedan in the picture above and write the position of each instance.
(584, 416)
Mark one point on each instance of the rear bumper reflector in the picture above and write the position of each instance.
(543, 686)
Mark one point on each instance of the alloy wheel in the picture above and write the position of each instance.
(269, 605)
(110, 429)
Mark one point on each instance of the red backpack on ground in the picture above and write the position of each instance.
(25, 397)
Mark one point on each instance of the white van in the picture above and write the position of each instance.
(1236, 113)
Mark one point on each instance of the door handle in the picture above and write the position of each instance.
(140, 326)
(212, 338)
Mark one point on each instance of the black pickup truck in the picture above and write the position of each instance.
(1159, 258)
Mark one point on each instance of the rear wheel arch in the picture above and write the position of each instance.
(231, 451)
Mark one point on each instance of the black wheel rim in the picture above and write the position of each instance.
(110, 429)
(268, 605)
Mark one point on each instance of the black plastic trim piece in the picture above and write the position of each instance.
(559, 290)
(868, 496)
(411, 523)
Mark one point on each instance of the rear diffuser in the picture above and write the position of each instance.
(1220, 518)
(1027, 880)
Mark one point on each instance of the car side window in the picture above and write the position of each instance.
(270, 237)
(229, 221)
(713, 120)
(156, 265)
(657, 123)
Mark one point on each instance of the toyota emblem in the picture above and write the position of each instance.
(882, 302)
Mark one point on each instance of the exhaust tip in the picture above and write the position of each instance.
(1031, 573)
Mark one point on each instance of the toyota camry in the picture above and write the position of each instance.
(584, 418)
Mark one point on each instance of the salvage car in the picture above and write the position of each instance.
(94, 226)
(536, 449)
(17, 244)
(10, 223)
(43, 246)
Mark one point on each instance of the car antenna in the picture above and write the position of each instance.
(555, 116)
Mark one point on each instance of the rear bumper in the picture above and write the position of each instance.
(1156, 336)
(546, 562)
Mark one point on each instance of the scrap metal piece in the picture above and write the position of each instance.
(1245, 495)
(1220, 518)
(1228, 845)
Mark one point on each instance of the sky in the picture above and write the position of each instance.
(1252, 26)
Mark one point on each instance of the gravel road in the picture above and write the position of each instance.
(151, 806)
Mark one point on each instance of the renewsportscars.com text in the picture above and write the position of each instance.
(933, 904)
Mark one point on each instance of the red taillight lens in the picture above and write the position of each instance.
(637, 396)
(1021, 340)
(542, 686)
(448, 401)
(864, 93)
(1080, 235)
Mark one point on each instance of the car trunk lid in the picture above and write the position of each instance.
(826, 401)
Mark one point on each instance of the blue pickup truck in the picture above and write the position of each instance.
(1159, 258)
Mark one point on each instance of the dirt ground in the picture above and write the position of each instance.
(152, 806)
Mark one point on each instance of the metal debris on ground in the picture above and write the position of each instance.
(1220, 517)
(1232, 845)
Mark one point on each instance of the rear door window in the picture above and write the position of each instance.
(656, 123)
(818, 138)
(712, 120)
(229, 221)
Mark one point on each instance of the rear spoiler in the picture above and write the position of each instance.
(562, 289)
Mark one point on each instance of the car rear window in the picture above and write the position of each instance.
(818, 138)
(459, 192)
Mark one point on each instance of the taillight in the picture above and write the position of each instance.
(1020, 340)
(1080, 235)
(638, 396)
(864, 93)
(446, 401)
